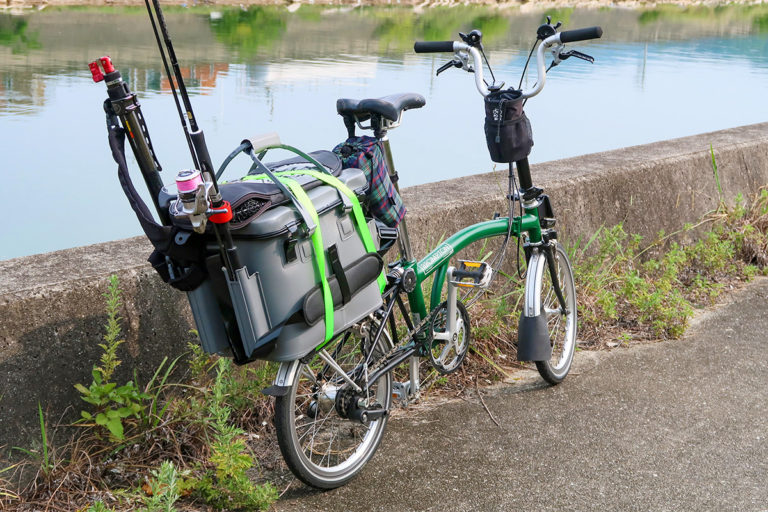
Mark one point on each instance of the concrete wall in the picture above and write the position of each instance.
(52, 309)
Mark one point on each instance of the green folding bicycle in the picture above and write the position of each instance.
(334, 406)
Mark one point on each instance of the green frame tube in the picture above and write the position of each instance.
(436, 262)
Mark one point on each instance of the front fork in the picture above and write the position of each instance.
(548, 252)
(534, 343)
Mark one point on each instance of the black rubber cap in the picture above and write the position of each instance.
(433, 46)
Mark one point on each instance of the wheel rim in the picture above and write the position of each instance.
(562, 327)
(329, 446)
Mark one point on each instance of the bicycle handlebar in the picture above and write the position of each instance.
(581, 34)
(463, 50)
(432, 46)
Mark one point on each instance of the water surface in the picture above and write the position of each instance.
(659, 74)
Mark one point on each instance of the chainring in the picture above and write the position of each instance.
(445, 355)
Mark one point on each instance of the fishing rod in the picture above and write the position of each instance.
(181, 254)
(198, 147)
(173, 89)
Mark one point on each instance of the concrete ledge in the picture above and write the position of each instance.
(52, 319)
(650, 187)
(52, 309)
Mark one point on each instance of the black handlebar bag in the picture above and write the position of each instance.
(507, 128)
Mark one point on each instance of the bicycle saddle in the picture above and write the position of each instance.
(389, 107)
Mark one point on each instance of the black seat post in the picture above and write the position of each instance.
(349, 123)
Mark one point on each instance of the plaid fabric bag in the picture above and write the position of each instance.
(364, 153)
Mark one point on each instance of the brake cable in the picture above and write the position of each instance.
(488, 65)
(527, 61)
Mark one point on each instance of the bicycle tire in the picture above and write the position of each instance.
(306, 442)
(562, 327)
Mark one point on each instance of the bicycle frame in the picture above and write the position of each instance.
(439, 332)
(436, 263)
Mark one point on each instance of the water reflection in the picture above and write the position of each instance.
(51, 44)
(395, 31)
(251, 30)
(14, 34)
(267, 69)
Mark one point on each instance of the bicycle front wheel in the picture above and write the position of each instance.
(562, 326)
(322, 448)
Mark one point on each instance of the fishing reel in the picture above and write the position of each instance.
(195, 199)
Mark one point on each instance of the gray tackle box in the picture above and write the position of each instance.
(282, 298)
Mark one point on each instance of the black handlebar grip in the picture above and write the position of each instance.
(433, 46)
(581, 34)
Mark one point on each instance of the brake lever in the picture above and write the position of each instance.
(577, 54)
(455, 63)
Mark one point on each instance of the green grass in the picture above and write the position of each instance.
(190, 429)
(631, 289)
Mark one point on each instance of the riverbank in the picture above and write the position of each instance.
(523, 5)
(623, 300)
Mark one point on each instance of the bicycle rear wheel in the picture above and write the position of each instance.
(562, 326)
(323, 449)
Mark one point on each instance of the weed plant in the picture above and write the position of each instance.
(626, 292)
(176, 443)
(630, 289)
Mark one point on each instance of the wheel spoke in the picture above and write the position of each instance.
(558, 319)
(305, 372)
(316, 427)
(550, 295)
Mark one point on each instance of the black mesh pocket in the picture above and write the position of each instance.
(507, 128)
(184, 279)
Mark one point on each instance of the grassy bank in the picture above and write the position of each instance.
(630, 290)
(188, 435)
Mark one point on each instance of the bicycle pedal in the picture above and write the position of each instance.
(472, 274)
